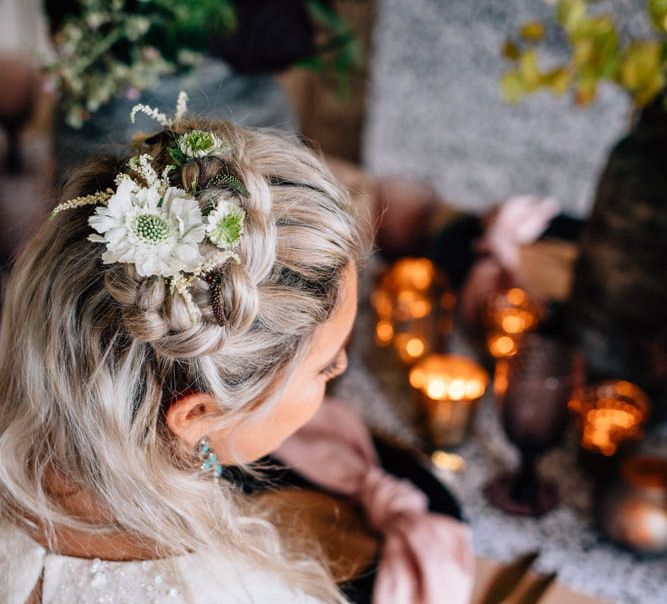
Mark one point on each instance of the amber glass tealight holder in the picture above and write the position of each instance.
(507, 316)
(610, 417)
(449, 387)
(413, 308)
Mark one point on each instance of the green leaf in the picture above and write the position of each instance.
(325, 15)
(512, 87)
(658, 11)
(177, 156)
(313, 63)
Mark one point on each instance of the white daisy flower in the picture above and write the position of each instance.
(200, 143)
(157, 233)
(224, 225)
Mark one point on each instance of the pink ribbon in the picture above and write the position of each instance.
(426, 558)
(518, 221)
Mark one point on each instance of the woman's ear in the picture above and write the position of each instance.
(189, 417)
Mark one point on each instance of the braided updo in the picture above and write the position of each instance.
(91, 353)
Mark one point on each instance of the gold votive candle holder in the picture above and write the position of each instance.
(507, 316)
(633, 510)
(512, 311)
(413, 309)
(610, 417)
(448, 387)
(418, 274)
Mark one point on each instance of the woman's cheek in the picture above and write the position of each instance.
(308, 403)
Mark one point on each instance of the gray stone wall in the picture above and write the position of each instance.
(435, 110)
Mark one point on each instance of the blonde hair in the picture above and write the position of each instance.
(91, 354)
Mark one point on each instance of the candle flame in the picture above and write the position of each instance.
(384, 332)
(436, 388)
(414, 347)
(448, 461)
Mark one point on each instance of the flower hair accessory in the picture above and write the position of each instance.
(161, 229)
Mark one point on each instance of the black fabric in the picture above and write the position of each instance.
(452, 248)
(271, 35)
(395, 461)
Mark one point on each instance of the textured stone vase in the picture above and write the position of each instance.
(619, 300)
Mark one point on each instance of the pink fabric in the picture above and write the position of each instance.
(426, 558)
(518, 221)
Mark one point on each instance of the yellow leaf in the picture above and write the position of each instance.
(640, 64)
(582, 52)
(647, 93)
(586, 88)
(512, 87)
(570, 14)
(529, 70)
(558, 80)
(510, 50)
(533, 31)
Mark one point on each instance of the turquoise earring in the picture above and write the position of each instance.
(209, 459)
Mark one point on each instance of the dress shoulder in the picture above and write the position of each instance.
(21, 563)
(189, 579)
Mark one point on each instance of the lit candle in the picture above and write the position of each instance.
(413, 308)
(411, 304)
(384, 333)
(411, 347)
(449, 386)
(413, 273)
(382, 303)
(611, 414)
(508, 315)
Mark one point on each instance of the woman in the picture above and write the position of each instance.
(191, 321)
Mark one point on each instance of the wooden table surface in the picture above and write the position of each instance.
(487, 569)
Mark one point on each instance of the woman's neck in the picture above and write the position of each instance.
(98, 542)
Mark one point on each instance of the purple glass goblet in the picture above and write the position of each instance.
(534, 414)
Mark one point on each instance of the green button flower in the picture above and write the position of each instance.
(200, 143)
(224, 225)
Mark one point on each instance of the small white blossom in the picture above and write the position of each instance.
(141, 165)
(181, 105)
(159, 234)
(151, 112)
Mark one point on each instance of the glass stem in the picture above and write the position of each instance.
(525, 485)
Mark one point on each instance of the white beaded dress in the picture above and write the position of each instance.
(191, 579)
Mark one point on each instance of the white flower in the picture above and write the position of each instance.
(158, 234)
(224, 225)
(200, 143)
(181, 105)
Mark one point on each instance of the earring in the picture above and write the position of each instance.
(209, 459)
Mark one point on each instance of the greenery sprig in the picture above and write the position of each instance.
(107, 49)
(601, 51)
